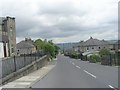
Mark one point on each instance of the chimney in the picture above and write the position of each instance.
(91, 38)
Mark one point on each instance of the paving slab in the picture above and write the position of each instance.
(30, 79)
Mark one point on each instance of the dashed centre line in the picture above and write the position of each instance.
(112, 87)
(90, 74)
(73, 63)
(78, 67)
(0, 88)
(84, 70)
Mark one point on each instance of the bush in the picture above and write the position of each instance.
(85, 58)
(104, 52)
(74, 55)
(105, 57)
(94, 58)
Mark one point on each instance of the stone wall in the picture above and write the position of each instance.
(26, 70)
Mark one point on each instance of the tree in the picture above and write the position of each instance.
(39, 44)
(49, 49)
(47, 46)
(56, 49)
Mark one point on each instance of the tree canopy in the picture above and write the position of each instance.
(47, 46)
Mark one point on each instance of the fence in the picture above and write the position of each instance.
(15, 63)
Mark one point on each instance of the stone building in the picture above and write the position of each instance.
(92, 45)
(26, 47)
(7, 37)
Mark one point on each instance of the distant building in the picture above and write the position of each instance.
(26, 47)
(92, 45)
(7, 37)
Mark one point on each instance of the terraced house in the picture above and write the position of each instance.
(92, 45)
(7, 37)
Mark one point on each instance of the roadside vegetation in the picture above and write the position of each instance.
(94, 58)
(47, 47)
(104, 57)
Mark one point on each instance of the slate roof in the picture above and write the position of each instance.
(92, 42)
(81, 43)
(25, 44)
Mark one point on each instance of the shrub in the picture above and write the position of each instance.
(105, 56)
(74, 55)
(104, 52)
(94, 58)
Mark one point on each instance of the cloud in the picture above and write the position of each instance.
(63, 20)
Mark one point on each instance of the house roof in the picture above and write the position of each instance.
(92, 42)
(81, 43)
(25, 44)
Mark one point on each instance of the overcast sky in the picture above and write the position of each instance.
(63, 20)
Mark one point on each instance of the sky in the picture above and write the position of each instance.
(63, 20)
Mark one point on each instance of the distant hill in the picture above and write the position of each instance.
(65, 45)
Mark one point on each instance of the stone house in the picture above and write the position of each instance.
(26, 47)
(92, 45)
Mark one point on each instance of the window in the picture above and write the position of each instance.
(92, 47)
(99, 47)
(12, 50)
(87, 48)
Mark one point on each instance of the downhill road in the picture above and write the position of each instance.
(73, 73)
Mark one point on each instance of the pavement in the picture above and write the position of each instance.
(72, 73)
(28, 80)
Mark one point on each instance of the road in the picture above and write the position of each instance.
(71, 73)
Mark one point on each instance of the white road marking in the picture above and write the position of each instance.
(90, 74)
(73, 63)
(0, 88)
(78, 67)
(112, 87)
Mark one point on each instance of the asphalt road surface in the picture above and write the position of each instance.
(73, 73)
